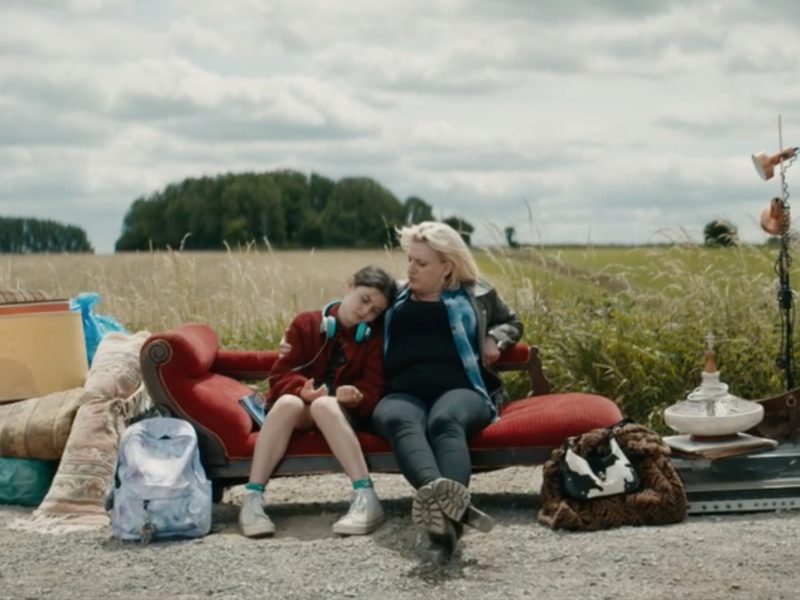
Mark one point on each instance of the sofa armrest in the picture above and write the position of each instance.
(242, 364)
(189, 349)
(521, 357)
(176, 368)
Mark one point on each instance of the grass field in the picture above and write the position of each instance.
(247, 296)
(628, 323)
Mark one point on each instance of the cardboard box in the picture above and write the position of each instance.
(41, 353)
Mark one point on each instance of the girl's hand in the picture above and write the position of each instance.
(309, 393)
(349, 396)
(490, 351)
(284, 347)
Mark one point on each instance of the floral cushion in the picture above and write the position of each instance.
(87, 467)
(86, 471)
(116, 371)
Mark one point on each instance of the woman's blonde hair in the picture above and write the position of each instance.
(450, 246)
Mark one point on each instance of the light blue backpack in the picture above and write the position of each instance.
(160, 489)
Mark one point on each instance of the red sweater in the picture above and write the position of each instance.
(363, 367)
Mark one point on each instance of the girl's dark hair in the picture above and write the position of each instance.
(376, 277)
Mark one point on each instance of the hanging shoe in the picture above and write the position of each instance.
(254, 522)
(426, 512)
(364, 516)
(455, 499)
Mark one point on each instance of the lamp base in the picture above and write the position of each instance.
(715, 447)
(715, 439)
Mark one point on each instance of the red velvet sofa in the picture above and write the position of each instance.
(187, 373)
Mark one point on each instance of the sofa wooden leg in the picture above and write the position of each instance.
(217, 490)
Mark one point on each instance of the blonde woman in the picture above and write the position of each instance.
(444, 330)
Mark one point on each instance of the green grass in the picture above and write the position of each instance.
(630, 323)
(627, 323)
(659, 268)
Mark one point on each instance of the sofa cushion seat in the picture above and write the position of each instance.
(539, 421)
(212, 401)
(547, 420)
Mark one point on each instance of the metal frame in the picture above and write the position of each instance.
(760, 481)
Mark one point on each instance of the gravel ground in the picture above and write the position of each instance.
(750, 556)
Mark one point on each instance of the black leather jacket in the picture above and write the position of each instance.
(496, 319)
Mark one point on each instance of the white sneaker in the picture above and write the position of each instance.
(253, 521)
(364, 516)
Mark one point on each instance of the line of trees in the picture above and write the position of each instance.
(286, 209)
(20, 235)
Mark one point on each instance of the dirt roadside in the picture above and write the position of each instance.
(748, 556)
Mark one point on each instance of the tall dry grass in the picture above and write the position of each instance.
(632, 330)
(247, 296)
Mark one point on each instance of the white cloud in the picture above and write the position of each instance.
(191, 33)
(600, 120)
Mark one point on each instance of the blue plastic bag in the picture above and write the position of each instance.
(94, 326)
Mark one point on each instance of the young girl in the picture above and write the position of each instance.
(330, 378)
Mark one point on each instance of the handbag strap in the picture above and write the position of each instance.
(569, 443)
(614, 429)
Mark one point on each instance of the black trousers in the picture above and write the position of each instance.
(429, 439)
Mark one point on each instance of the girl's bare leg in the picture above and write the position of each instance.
(330, 419)
(289, 413)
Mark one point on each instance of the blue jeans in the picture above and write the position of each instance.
(430, 439)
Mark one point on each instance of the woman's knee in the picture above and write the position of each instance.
(391, 416)
(325, 407)
(459, 412)
(444, 424)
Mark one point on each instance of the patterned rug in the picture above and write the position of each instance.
(87, 465)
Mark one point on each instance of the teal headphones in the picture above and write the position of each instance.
(327, 326)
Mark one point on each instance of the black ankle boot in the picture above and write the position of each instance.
(445, 544)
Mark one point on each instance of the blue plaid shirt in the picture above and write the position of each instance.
(463, 325)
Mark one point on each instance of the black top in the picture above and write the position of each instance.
(422, 359)
(336, 360)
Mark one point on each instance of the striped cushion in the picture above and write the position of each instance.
(14, 296)
(39, 427)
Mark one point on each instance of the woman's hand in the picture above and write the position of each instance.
(349, 396)
(490, 350)
(309, 393)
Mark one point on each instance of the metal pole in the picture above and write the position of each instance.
(785, 296)
(785, 300)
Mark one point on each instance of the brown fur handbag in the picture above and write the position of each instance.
(660, 498)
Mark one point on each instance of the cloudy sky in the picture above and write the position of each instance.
(584, 121)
